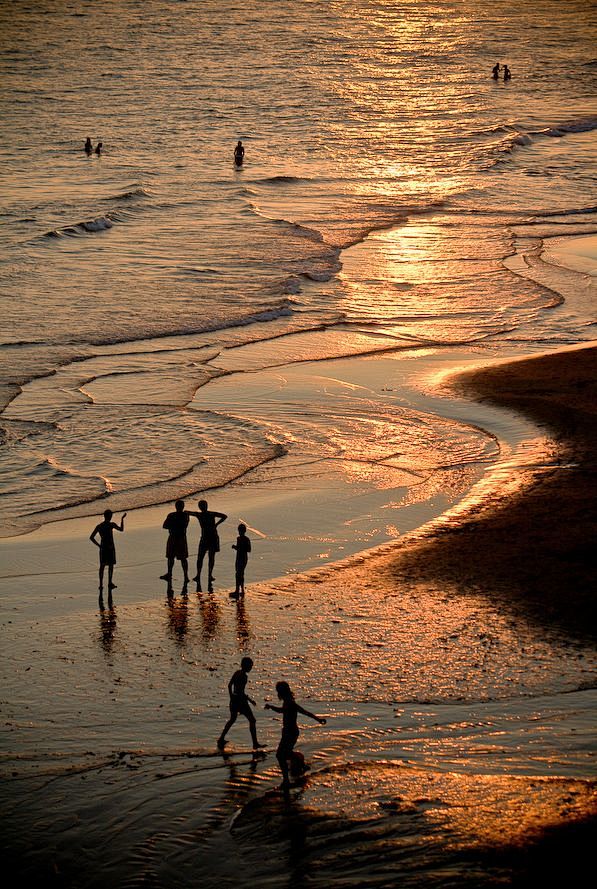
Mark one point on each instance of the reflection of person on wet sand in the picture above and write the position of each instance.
(107, 550)
(243, 548)
(176, 524)
(239, 703)
(209, 542)
(243, 628)
(107, 623)
(290, 730)
(178, 617)
(210, 617)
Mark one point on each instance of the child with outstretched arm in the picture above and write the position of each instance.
(290, 730)
(107, 550)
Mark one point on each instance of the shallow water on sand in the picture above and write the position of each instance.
(453, 728)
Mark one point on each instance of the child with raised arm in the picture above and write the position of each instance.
(290, 730)
(239, 703)
(209, 542)
(243, 548)
(107, 550)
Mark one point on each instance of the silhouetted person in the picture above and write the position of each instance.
(239, 153)
(507, 73)
(176, 524)
(239, 703)
(107, 550)
(98, 148)
(290, 730)
(88, 146)
(495, 71)
(209, 542)
(243, 548)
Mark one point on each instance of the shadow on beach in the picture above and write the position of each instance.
(353, 825)
(532, 549)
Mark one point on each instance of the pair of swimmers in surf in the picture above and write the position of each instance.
(89, 147)
(290, 761)
(495, 72)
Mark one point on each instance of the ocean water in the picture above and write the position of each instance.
(386, 183)
(172, 323)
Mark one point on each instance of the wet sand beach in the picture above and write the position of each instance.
(456, 668)
(531, 540)
(373, 344)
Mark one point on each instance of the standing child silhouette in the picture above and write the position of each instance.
(209, 542)
(243, 548)
(107, 550)
(176, 524)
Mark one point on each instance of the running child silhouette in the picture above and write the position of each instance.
(243, 548)
(290, 730)
(239, 703)
(107, 550)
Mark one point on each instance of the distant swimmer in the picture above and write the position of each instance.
(495, 70)
(107, 550)
(507, 73)
(98, 148)
(88, 146)
(239, 153)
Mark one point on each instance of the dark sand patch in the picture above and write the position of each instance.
(532, 547)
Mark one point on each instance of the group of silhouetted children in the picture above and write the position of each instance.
(176, 523)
